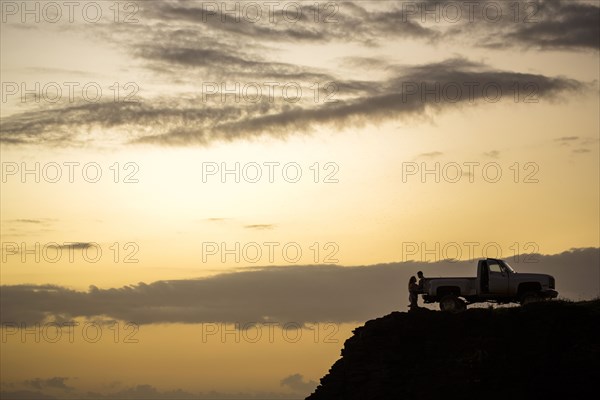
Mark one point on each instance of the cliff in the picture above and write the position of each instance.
(548, 349)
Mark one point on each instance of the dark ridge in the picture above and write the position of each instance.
(543, 350)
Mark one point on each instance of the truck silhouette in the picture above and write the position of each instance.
(496, 281)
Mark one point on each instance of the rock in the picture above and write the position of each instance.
(547, 349)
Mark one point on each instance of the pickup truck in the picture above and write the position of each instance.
(496, 282)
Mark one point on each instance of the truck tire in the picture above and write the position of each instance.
(453, 304)
(529, 297)
(462, 306)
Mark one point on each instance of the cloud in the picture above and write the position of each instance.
(76, 245)
(431, 154)
(302, 23)
(67, 245)
(146, 391)
(149, 392)
(27, 227)
(538, 24)
(56, 382)
(25, 395)
(586, 144)
(297, 383)
(260, 226)
(581, 151)
(301, 294)
(31, 221)
(561, 25)
(492, 154)
(192, 121)
(220, 61)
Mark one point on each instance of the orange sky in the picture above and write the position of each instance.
(351, 162)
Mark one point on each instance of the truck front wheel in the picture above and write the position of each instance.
(529, 297)
(452, 304)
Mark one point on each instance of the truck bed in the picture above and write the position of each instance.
(468, 285)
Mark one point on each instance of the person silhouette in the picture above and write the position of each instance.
(413, 291)
(421, 282)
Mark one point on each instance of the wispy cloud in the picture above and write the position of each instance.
(492, 154)
(184, 43)
(182, 122)
(260, 226)
(431, 154)
(581, 151)
(538, 24)
(567, 138)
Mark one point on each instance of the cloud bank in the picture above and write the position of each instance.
(301, 294)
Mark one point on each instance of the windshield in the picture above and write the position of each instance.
(508, 267)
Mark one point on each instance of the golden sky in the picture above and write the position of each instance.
(187, 166)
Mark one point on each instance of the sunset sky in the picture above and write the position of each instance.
(174, 170)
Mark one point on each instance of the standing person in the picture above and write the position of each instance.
(421, 282)
(413, 291)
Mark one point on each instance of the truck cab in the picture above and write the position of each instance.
(493, 276)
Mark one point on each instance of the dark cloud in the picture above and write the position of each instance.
(185, 35)
(395, 100)
(533, 24)
(562, 25)
(542, 24)
(300, 294)
(297, 383)
(263, 23)
(57, 125)
(76, 245)
(304, 22)
(193, 121)
(220, 62)
(567, 138)
(492, 154)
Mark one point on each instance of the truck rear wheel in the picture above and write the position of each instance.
(452, 304)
